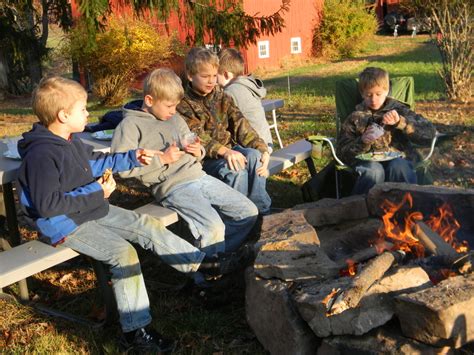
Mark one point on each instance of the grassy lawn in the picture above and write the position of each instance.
(217, 325)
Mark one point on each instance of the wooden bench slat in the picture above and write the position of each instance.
(165, 215)
(28, 259)
(284, 158)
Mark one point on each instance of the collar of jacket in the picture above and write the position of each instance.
(389, 104)
(192, 94)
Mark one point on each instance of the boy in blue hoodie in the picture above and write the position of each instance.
(63, 191)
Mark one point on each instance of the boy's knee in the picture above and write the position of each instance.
(253, 156)
(127, 255)
(373, 171)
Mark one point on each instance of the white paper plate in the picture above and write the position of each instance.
(11, 155)
(103, 135)
(380, 156)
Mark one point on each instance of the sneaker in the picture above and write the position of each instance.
(225, 263)
(146, 340)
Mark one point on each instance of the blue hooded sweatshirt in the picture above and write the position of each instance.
(58, 190)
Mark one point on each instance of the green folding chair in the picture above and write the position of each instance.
(347, 97)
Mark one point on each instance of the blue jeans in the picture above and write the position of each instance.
(246, 181)
(107, 240)
(371, 173)
(218, 216)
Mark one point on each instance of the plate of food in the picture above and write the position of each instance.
(12, 148)
(380, 156)
(103, 135)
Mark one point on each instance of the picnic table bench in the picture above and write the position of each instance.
(24, 260)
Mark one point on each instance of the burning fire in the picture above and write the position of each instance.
(446, 226)
(398, 225)
(350, 270)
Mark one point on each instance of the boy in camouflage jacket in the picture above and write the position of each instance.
(235, 152)
(381, 124)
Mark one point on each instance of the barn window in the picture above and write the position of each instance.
(295, 45)
(263, 49)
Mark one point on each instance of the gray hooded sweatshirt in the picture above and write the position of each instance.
(140, 129)
(247, 93)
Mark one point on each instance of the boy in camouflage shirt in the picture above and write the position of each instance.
(235, 152)
(382, 124)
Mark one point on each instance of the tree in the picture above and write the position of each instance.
(23, 36)
(452, 21)
(24, 28)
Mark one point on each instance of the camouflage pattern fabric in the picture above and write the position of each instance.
(218, 122)
(412, 129)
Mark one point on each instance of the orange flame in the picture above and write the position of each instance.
(350, 270)
(333, 293)
(401, 233)
(446, 226)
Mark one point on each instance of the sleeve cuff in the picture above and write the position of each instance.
(401, 125)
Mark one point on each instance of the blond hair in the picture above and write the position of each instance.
(198, 57)
(163, 84)
(371, 77)
(230, 60)
(54, 94)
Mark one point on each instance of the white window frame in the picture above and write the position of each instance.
(267, 47)
(212, 48)
(298, 40)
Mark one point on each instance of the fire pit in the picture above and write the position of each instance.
(348, 274)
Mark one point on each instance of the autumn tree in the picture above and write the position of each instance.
(452, 22)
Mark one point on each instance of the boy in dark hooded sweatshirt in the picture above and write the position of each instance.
(246, 91)
(63, 192)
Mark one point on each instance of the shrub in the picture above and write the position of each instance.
(346, 27)
(125, 48)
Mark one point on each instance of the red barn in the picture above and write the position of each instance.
(270, 51)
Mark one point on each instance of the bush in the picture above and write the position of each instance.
(125, 48)
(346, 27)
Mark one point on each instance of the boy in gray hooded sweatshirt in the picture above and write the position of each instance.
(246, 91)
(218, 216)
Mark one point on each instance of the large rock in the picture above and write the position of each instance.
(375, 308)
(440, 315)
(334, 211)
(288, 249)
(427, 199)
(383, 340)
(274, 319)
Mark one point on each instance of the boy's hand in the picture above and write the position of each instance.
(235, 160)
(108, 185)
(372, 133)
(263, 170)
(144, 156)
(171, 154)
(194, 148)
(391, 118)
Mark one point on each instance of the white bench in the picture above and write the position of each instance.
(32, 257)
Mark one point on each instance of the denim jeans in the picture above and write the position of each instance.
(107, 240)
(218, 216)
(371, 173)
(245, 180)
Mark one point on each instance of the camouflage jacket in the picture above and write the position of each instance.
(218, 122)
(412, 129)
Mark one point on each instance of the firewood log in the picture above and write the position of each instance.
(373, 271)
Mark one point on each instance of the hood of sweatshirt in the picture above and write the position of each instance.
(38, 135)
(253, 84)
